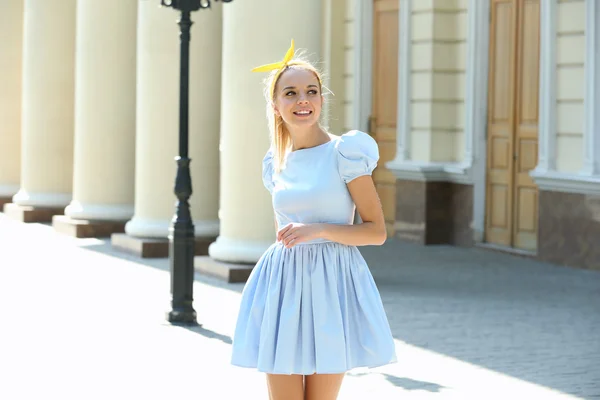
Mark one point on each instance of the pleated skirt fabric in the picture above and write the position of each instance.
(314, 308)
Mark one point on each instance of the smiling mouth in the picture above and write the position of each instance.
(302, 113)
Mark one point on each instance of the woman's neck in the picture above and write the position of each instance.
(309, 137)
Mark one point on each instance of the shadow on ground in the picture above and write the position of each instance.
(531, 320)
(207, 333)
(103, 246)
(405, 383)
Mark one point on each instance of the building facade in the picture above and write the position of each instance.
(486, 114)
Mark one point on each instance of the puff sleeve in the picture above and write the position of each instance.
(357, 155)
(267, 171)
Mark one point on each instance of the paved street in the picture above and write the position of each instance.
(81, 321)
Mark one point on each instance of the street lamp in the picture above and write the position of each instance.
(181, 231)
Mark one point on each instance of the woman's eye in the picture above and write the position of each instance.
(312, 92)
(291, 93)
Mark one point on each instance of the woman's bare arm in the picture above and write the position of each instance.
(372, 230)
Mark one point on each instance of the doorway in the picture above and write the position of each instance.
(511, 217)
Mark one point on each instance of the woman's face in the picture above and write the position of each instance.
(298, 97)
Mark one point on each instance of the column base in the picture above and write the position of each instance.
(4, 200)
(238, 251)
(153, 247)
(31, 213)
(82, 228)
(99, 212)
(228, 272)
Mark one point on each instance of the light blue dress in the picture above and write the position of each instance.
(314, 308)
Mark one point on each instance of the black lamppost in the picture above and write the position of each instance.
(181, 232)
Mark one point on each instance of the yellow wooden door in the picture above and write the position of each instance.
(385, 100)
(512, 196)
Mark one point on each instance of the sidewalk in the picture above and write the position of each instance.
(81, 321)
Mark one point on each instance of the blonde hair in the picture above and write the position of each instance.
(281, 141)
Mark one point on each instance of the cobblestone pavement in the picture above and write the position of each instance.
(81, 321)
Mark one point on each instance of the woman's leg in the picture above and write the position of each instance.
(323, 386)
(285, 387)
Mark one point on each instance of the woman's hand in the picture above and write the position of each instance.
(292, 234)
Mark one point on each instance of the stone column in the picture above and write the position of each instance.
(103, 182)
(47, 116)
(157, 128)
(11, 55)
(246, 215)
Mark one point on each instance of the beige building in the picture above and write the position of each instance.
(486, 113)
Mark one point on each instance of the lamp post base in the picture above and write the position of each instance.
(182, 317)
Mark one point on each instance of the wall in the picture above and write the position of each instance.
(438, 40)
(570, 55)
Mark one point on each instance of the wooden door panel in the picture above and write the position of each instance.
(500, 155)
(499, 219)
(528, 60)
(512, 196)
(385, 100)
(385, 79)
(526, 125)
(526, 158)
(387, 152)
(500, 122)
(526, 221)
(386, 133)
(502, 53)
(527, 209)
(387, 195)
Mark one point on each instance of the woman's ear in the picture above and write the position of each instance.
(275, 110)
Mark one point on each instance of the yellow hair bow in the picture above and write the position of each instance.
(277, 65)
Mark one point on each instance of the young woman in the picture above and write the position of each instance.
(310, 310)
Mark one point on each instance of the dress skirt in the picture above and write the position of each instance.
(310, 309)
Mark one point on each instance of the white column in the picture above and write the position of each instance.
(104, 111)
(403, 124)
(476, 92)
(547, 111)
(48, 93)
(158, 115)
(476, 78)
(247, 227)
(334, 63)
(591, 161)
(11, 30)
